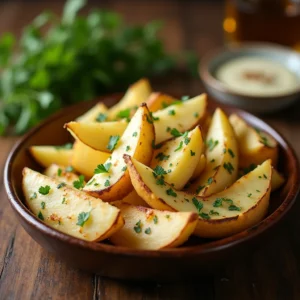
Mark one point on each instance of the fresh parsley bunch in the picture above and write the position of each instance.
(72, 59)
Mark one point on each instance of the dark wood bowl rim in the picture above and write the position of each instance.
(209, 247)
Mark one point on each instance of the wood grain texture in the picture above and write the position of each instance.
(271, 272)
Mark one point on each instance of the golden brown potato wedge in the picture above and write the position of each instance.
(277, 180)
(69, 210)
(152, 229)
(199, 167)
(85, 159)
(240, 206)
(111, 181)
(179, 157)
(48, 155)
(97, 113)
(221, 155)
(255, 146)
(157, 101)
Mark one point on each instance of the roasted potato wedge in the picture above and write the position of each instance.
(175, 116)
(85, 159)
(113, 182)
(152, 229)
(157, 101)
(199, 167)
(69, 210)
(222, 157)
(238, 207)
(255, 146)
(277, 180)
(48, 155)
(179, 157)
(97, 113)
(96, 135)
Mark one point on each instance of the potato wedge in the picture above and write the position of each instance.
(93, 114)
(255, 146)
(277, 180)
(68, 210)
(48, 155)
(199, 167)
(238, 207)
(134, 96)
(61, 174)
(157, 101)
(175, 116)
(96, 135)
(152, 229)
(113, 183)
(179, 157)
(222, 157)
(85, 159)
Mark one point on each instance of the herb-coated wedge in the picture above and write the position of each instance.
(85, 159)
(96, 135)
(181, 116)
(111, 181)
(48, 155)
(133, 98)
(255, 146)
(152, 229)
(177, 159)
(97, 113)
(277, 180)
(69, 210)
(61, 173)
(221, 156)
(240, 206)
(199, 167)
(157, 101)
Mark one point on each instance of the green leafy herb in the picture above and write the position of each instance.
(179, 146)
(153, 117)
(213, 213)
(69, 169)
(67, 146)
(156, 146)
(160, 156)
(134, 134)
(229, 167)
(124, 114)
(187, 140)
(60, 185)
(101, 117)
(265, 141)
(196, 115)
(148, 230)
(175, 132)
(171, 112)
(138, 227)
(170, 192)
(192, 153)
(103, 168)
(113, 141)
(200, 188)
(210, 180)
(59, 171)
(249, 195)
(265, 176)
(40, 216)
(149, 118)
(91, 181)
(231, 153)
(198, 204)
(83, 218)
(124, 168)
(258, 191)
(224, 150)
(212, 160)
(43, 205)
(159, 170)
(211, 144)
(155, 219)
(44, 190)
(78, 184)
(63, 201)
(185, 98)
(234, 207)
(168, 216)
(219, 202)
(127, 148)
(107, 182)
(33, 196)
(204, 216)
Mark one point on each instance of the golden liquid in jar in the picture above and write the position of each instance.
(276, 21)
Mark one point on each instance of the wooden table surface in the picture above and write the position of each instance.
(29, 272)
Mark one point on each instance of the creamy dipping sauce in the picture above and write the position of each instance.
(257, 77)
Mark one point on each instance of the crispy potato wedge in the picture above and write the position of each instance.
(152, 229)
(48, 155)
(62, 174)
(238, 207)
(85, 159)
(68, 210)
(254, 146)
(179, 157)
(135, 95)
(222, 157)
(199, 167)
(277, 180)
(157, 101)
(96, 135)
(115, 184)
(92, 114)
(175, 116)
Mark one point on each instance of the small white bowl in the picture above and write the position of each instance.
(259, 104)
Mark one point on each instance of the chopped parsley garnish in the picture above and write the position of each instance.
(185, 98)
(175, 132)
(107, 182)
(33, 196)
(91, 181)
(170, 192)
(231, 153)
(198, 204)
(60, 185)
(43, 204)
(213, 213)
(211, 144)
(210, 180)
(155, 219)
(160, 180)
(124, 114)
(40, 216)
(249, 169)
(153, 118)
(249, 195)
(168, 216)
(159, 170)
(224, 150)
(200, 188)
(82, 218)
(148, 230)
(204, 216)
(113, 141)
(234, 207)
(192, 153)
(59, 171)
(155, 146)
(101, 117)
(67, 146)
(149, 119)
(264, 140)
(258, 191)
(171, 112)
(170, 165)
(78, 184)
(134, 134)
(160, 156)
(219, 202)
(63, 201)
(229, 167)
(179, 147)
(127, 148)
(196, 115)
(168, 129)
(259, 177)
(69, 169)
(169, 171)
(265, 176)
(124, 168)
(138, 227)
(103, 168)
(187, 140)
(44, 190)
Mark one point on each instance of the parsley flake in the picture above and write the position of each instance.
(211, 144)
(160, 156)
(124, 114)
(198, 204)
(229, 167)
(172, 112)
(138, 227)
(175, 132)
(78, 184)
(103, 168)
(59, 171)
(69, 169)
(199, 188)
(91, 181)
(40, 216)
(67, 146)
(192, 153)
(231, 153)
(101, 117)
(204, 216)
(113, 141)
(185, 98)
(213, 213)
(196, 115)
(179, 147)
(159, 170)
(127, 148)
(60, 185)
(210, 180)
(170, 192)
(44, 190)
(43, 204)
(155, 219)
(124, 168)
(33, 196)
(107, 183)
(135, 134)
(83, 218)
(148, 230)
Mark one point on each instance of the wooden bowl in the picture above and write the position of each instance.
(190, 261)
